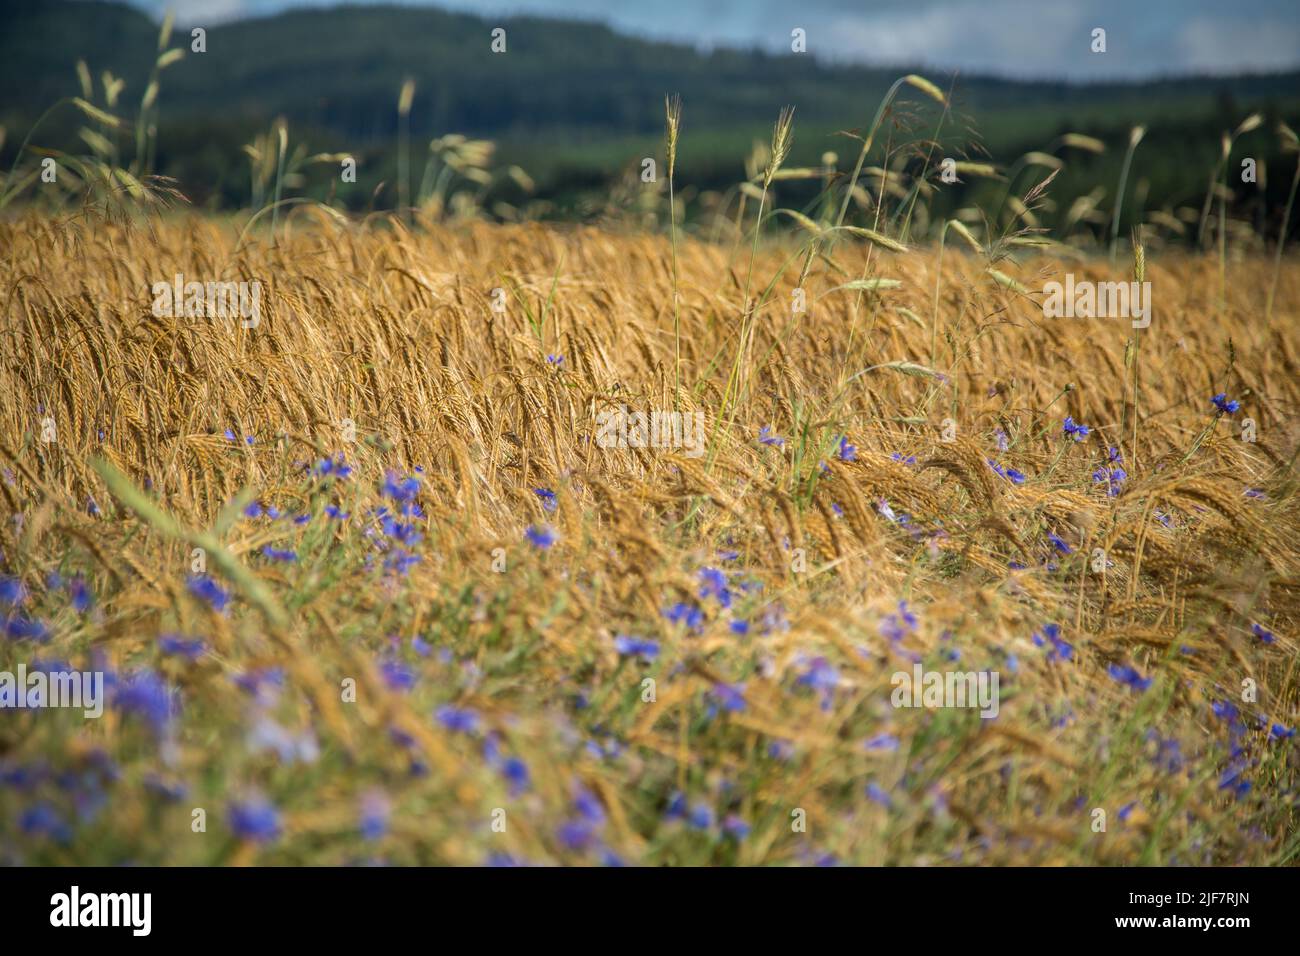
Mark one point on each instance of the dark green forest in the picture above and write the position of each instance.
(577, 105)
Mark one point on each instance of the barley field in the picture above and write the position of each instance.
(364, 585)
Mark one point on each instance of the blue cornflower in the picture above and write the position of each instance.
(1113, 476)
(146, 695)
(255, 819)
(739, 626)
(1051, 634)
(375, 812)
(897, 626)
(547, 496)
(1280, 732)
(734, 827)
(588, 807)
(540, 536)
(42, 819)
(206, 589)
(191, 649)
(878, 795)
(279, 554)
(1224, 405)
(701, 817)
(687, 614)
(1264, 635)
(1074, 430)
(882, 741)
(336, 513)
(20, 627)
(12, 591)
(456, 719)
(397, 676)
(820, 675)
(1129, 676)
(556, 360)
(1224, 710)
(1007, 472)
(715, 586)
(80, 595)
(636, 647)
(730, 696)
(577, 835)
(848, 452)
(905, 459)
(516, 773)
(1059, 543)
(335, 467)
(401, 490)
(766, 437)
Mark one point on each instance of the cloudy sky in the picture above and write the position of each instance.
(1022, 38)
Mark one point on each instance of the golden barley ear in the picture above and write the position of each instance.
(672, 126)
(782, 135)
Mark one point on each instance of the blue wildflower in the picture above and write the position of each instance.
(1129, 676)
(548, 498)
(1074, 430)
(847, 452)
(12, 591)
(336, 467)
(687, 614)
(730, 696)
(701, 817)
(206, 589)
(175, 645)
(255, 819)
(146, 695)
(1051, 634)
(396, 675)
(1224, 405)
(636, 647)
(456, 719)
(375, 812)
(540, 536)
(1059, 543)
(516, 773)
(80, 595)
(20, 627)
(715, 586)
(766, 437)
(734, 827)
(401, 490)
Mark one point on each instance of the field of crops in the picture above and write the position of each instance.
(365, 583)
